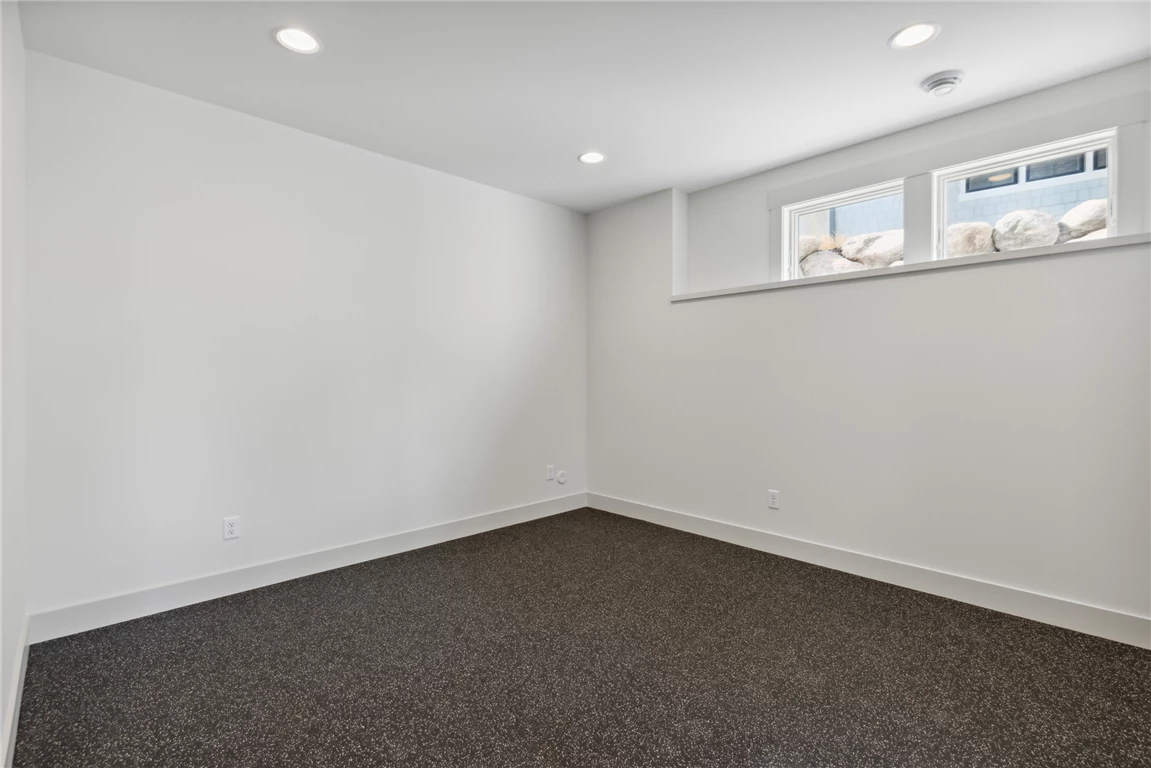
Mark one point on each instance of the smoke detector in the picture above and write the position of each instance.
(942, 83)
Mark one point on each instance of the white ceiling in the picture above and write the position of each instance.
(675, 94)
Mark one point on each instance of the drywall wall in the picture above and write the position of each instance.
(12, 394)
(989, 421)
(231, 317)
(733, 229)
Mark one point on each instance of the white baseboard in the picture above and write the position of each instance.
(69, 620)
(1113, 625)
(1126, 628)
(12, 711)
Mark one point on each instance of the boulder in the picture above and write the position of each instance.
(1098, 234)
(1024, 229)
(968, 238)
(857, 243)
(808, 244)
(827, 263)
(1083, 219)
(877, 249)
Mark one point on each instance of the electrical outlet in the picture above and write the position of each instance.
(773, 499)
(231, 527)
(551, 472)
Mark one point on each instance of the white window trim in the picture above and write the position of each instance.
(1112, 244)
(1079, 144)
(790, 218)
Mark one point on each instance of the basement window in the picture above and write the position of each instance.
(1062, 166)
(1004, 177)
(848, 232)
(1046, 195)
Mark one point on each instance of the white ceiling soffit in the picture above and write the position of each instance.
(674, 94)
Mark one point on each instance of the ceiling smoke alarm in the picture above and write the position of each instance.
(942, 83)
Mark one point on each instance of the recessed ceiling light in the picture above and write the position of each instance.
(913, 35)
(591, 158)
(297, 40)
(942, 83)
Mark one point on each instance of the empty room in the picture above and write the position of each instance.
(575, 384)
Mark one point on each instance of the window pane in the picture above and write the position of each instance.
(1100, 159)
(1004, 178)
(1052, 202)
(846, 238)
(1064, 166)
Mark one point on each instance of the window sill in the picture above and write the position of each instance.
(927, 266)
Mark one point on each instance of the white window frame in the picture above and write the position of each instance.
(1037, 154)
(789, 215)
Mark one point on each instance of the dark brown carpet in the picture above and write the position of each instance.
(584, 641)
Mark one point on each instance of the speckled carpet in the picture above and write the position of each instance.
(584, 640)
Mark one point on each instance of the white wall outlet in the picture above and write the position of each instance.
(231, 527)
(551, 472)
(562, 477)
(773, 499)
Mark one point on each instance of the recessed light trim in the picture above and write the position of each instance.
(591, 158)
(297, 40)
(914, 34)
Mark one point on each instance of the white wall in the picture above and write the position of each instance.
(231, 317)
(733, 229)
(227, 316)
(12, 519)
(989, 421)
